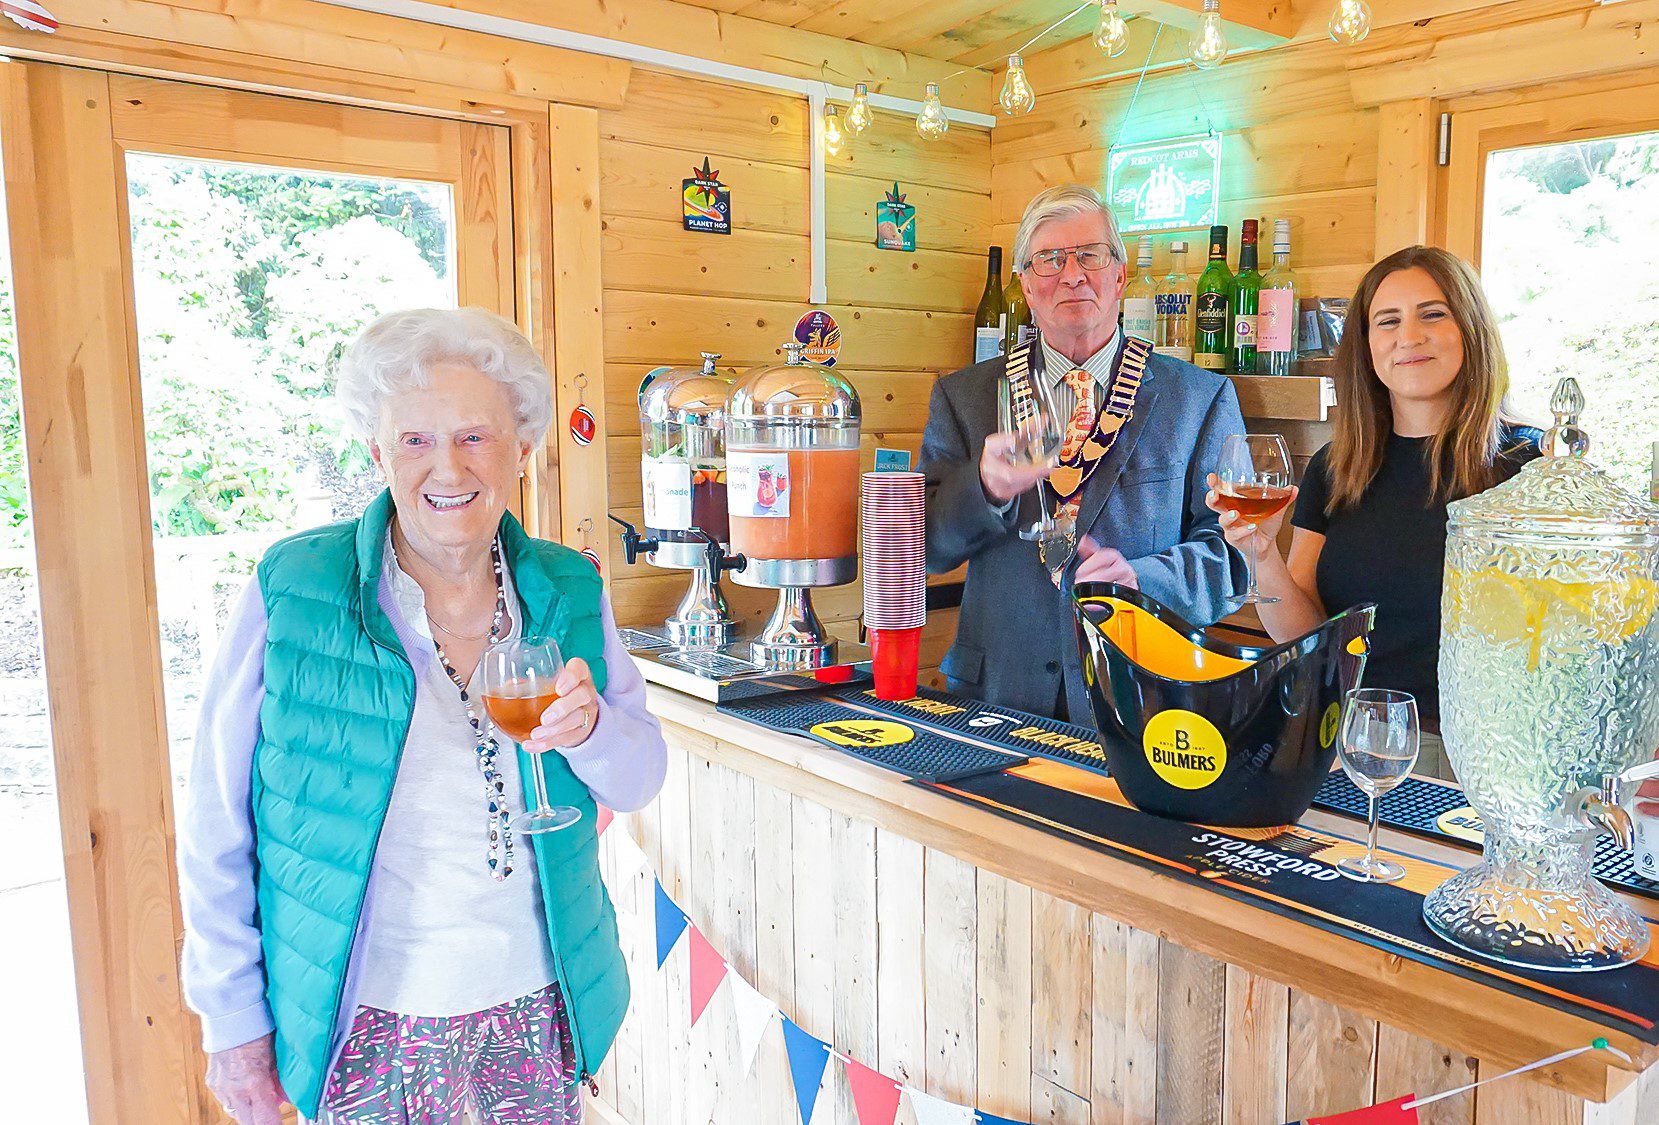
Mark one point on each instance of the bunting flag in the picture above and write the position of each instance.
(993, 1119)
(602, 815)
(708, 969)
(808, 1056)
(671, 923)
(627, 858)
(875, 1096)
(1396, 1112)
(754, 1015)
(30, 15)
(930, 1110)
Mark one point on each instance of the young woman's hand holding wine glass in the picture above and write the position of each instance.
(1251, 538)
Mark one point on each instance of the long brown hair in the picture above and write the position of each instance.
(1460, 457)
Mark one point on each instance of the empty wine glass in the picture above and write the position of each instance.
(1057, 536)
(1254, 479)
(1027, 412)
(1378, 747)
(518, 678)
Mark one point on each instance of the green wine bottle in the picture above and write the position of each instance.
(988, 316)
(1017, 325)
(1247, 291)
(1213, 307)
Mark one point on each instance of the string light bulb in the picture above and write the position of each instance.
(1111, 34)
(932, 123)
(1207, 43)
(1017, 96)
(833, 136)
(858, 114)
(1350, 22)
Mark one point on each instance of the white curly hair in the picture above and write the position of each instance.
(396, 353)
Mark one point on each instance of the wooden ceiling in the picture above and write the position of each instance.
(977, 32)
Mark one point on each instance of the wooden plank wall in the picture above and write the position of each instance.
(1294, 146)
(975, 988)
(669, 294)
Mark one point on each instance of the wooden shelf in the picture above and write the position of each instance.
(1302, 398)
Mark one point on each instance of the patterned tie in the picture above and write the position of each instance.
(1082, 416)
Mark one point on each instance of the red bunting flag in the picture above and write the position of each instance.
(603, 817)
(1389, 1113)
(875, 1096)
(707, 971)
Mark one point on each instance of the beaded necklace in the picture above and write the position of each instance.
(498, 827)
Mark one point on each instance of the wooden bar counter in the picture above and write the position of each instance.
(994, 965)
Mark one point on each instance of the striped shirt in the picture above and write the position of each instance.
(1099, 365)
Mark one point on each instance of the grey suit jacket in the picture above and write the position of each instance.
(1015, 644)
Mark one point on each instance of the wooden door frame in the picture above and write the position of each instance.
(1558, 114)
(84, 429)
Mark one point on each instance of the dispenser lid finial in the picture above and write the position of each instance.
(1566, 438)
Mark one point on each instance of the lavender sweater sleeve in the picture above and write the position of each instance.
(223, 966)
(623, 761)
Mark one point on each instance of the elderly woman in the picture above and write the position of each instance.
(366, 935)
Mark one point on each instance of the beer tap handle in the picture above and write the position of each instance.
(633, 543)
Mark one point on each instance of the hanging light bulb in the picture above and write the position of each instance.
(1111, 35)
(833, 136)
(1206, 43)
(1350, 21)
(858, 114)
(1017, 96)
(931, 123)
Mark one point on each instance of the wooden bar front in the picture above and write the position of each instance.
(992, 965)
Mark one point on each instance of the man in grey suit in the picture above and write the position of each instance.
(1141, 518)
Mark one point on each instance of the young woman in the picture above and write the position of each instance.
(1422, 420)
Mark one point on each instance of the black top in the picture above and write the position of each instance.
(1390, 549)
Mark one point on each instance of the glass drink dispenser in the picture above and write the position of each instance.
(682, 425)
(793, 485)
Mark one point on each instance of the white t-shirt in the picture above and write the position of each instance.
(446, 938)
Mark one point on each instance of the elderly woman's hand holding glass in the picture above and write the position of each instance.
(357, 862)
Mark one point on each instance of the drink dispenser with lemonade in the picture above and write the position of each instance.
(792, 485)
(1549, 686)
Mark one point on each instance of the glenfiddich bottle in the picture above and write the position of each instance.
(1247, 287)
(988, 317)
(1212, 317)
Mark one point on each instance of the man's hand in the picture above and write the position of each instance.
(1103, 564)
(244, 1079)
(1001, 478)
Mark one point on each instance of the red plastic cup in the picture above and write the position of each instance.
(895, 657)
(836, 674)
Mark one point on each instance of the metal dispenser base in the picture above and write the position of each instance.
(794, 639)
(703, 618)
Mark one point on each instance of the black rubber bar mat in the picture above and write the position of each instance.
(1440, 812)
(908, 748)
(1423, 808)
(1293, 874)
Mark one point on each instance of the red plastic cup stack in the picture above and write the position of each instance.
(893, 517)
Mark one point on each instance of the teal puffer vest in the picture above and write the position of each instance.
(339, 694)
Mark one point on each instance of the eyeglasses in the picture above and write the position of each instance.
(1094, 256)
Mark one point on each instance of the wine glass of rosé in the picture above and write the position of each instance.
(518, 679)
(1255, 479)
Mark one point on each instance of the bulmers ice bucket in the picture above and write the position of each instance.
(1549, 701)
(1215, 733)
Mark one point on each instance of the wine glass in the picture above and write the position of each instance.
(1377, 750)
(518, 677)
(1057, 536)
(1254, 480)
(1032, 420)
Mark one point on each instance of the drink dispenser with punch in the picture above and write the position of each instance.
(792, 476)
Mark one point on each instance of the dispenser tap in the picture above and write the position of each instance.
(718, 559)
(1604, 808)
(633, 543)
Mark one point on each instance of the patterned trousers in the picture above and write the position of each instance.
(507, 1065)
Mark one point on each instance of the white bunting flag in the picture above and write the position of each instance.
(627, 856)
(26, 13)
(930, 1110)
(755, 1014)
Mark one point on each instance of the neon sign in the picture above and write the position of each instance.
(1165, 185)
